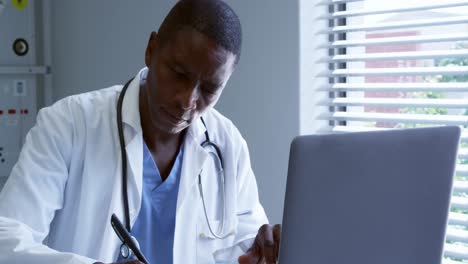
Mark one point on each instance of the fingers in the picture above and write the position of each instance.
(124, 262)
(131, 262)
(267, 244)
(251, 257)
(265, 248)
(277, 238)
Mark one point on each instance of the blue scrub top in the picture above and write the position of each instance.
(155, 224)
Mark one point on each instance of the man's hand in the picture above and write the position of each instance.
(125, 262)
(265, 248)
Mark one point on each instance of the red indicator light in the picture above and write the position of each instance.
(11, 111)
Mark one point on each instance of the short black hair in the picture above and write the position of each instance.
(213, 18)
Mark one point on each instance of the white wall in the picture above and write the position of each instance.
(101, 43)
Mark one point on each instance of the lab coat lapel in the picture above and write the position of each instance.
(185, 232)
(193, 160)
(133, 145)
(135, 174)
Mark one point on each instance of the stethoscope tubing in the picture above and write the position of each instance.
(206, 143)
(123, 155)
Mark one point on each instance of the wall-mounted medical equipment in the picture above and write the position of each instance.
(25, 81)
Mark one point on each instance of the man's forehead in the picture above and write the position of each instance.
(196, 54)
(189, 40)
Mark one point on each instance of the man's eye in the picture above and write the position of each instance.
(179, 72)
(209, 91)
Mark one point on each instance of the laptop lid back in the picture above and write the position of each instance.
(369, 197)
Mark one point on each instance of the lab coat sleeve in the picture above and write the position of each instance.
(34, 190)
(250, 213)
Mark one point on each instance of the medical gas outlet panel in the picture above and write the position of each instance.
(20, 76)
(17, 116)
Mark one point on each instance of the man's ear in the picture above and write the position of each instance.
(151, 48)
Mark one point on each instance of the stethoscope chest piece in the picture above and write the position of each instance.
(124, 251)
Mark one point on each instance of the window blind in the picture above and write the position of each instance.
(401, 64)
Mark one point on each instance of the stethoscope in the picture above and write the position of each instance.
(125, 251)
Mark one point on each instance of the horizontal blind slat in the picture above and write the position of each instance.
(459, 203)
(406, 87)
(449, 261)
(346, 129)
(411, 71)
(363, 12)
(397, 102)
(456, 235)
(461, 170)
(463, 153)
(397, 25)
(397, 118)
(397, 40)
(461, 53)
(458, 219)
(456, 251)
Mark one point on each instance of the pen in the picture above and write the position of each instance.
(126, 238)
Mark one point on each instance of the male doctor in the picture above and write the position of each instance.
(57, 203)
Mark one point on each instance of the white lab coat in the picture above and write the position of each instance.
(57, 203)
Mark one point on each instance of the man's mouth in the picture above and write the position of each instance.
(174, 118)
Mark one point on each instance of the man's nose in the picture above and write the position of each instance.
(189, 96)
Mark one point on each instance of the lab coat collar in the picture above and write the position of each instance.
(130, 105)
(197, 130)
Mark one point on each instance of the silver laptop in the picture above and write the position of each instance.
(369, 197)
